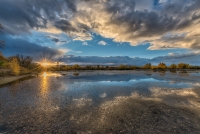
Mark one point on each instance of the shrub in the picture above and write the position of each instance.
(162, 66)
(14, 66)
(183, 66)
(173, 66)
(147, 66)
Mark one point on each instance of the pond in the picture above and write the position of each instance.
(102, 102)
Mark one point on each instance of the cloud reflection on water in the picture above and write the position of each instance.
(129, 103)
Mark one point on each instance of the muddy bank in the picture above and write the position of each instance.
(11, 79)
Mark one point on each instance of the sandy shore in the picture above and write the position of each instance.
(9, 79)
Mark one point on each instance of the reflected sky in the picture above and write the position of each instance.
(99, 87)
(85, 101)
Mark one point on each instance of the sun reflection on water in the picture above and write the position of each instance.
(44, 85)
(44, 74)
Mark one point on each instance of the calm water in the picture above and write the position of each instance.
(102, 102)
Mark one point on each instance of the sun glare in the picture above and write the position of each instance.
(44, 64)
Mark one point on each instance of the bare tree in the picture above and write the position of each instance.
(24, 61)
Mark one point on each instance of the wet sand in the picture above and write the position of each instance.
(102, 102)
(9, 79)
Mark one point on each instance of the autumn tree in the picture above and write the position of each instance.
(14, 66)
(24, 61)
(173, 66)
(122, 67)
(162, 66)
(183, 66)
(147, 66)
(76, 67)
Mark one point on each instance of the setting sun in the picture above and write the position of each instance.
(45, 64)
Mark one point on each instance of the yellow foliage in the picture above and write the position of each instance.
(24, 70)
(14, 66)
(162, 66)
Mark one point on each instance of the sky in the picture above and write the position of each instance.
(103, 32)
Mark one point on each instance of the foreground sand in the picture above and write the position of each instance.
(8, 79)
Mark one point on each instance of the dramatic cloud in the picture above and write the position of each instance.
(165, 24)
(131, 21)
(56, 40)
(20, 46)
(173, 58)
(95, 60)
(103, 43)
(25, 15)
(190, 58)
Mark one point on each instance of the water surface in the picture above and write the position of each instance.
(102, 102)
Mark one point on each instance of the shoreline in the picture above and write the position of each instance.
(10, 79)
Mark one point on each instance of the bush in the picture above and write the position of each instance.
(162, 66)
(173, 66)
(76, 67)
(24, 70)
(147, 66)
(14, 66)
(183, 66)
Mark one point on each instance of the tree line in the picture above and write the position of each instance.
(20, 64)
(148, 66)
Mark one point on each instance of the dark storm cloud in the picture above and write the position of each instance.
(133, 21)
(190, 58)
(137, 21)
(94, 60)
(23, 15)
(55, 40)
(172, 16)
(20, 46)
(28, 14)
(64, 25)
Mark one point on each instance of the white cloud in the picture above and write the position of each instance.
(64, 50)
(85, 44)
(132, 21)
(127, 22)
(103, 43)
